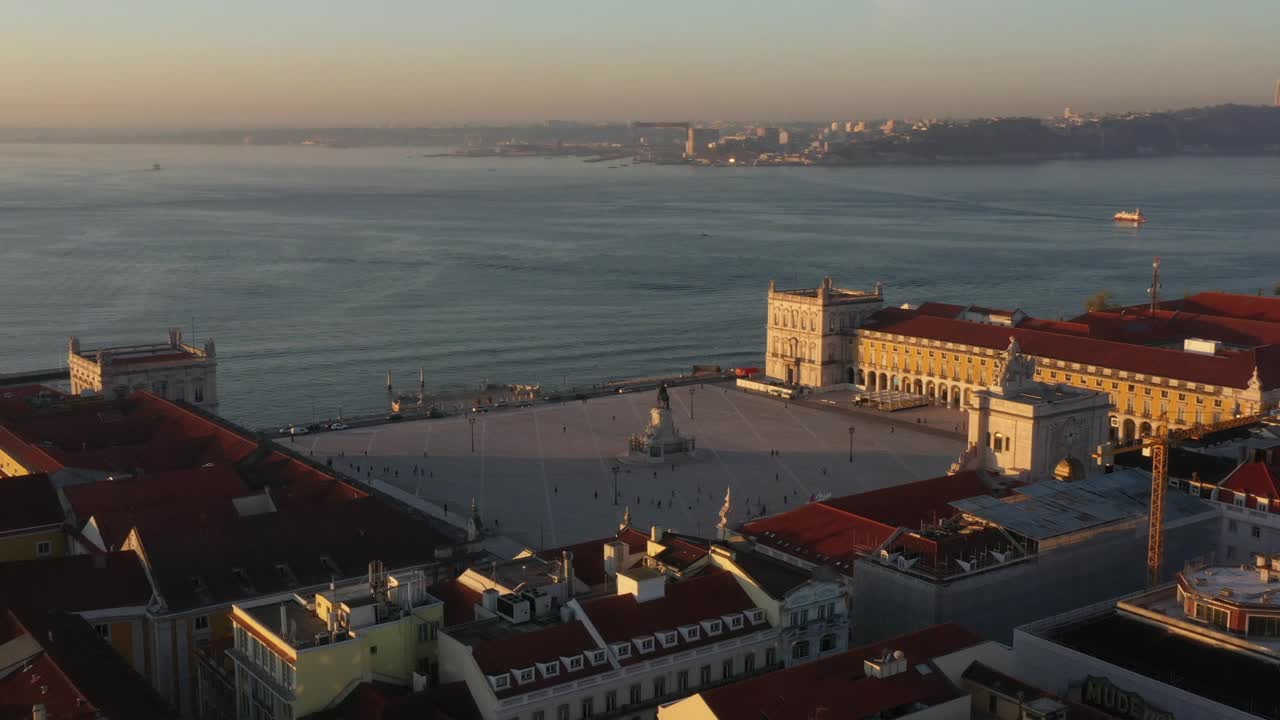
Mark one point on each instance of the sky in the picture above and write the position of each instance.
(223, 63)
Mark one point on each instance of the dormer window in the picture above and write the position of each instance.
(713, 627)
(689, 633)
(644, 644)
(524, 676)
(755, 616)
(549, 669)
(572, 663)
(622, 650)
(733, 621)
(500, 682)
(667, 638)
(595, 657)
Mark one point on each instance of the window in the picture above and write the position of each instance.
(660, 686)
(575, 663)
(197, 392)
(622, 650)
(800, 650)
(682, 680)
(749, 663)
(1231, 526)
(611, 700)
(993, 703)
(1264, 626)
(562, 712)
(44, 548)
(588, 706)
(1146, 391)
(770, 656)
(827, 644)
(1211, 615)
(526, 675)
(1115, 385)
(1239, 500)
(539, 715)
(1257, 532)
(1231, 552)
(633, 694)
(1217, 403)
(373, 649)
(103, 630)
(426, 632)
(726, 668)
(201, 622)
(704, 675)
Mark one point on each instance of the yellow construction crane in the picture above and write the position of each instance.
(1160, 446)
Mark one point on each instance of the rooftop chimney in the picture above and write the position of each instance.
(886, 666)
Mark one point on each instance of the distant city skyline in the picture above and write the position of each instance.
(143, 63)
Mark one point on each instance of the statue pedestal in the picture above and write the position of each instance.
(660, 441)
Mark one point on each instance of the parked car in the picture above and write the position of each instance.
(315, 427)
(337, 426)
(297, 430)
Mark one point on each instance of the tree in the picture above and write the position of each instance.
(1098, 301)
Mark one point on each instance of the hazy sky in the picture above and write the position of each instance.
(89, 63)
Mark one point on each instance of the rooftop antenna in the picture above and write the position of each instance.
(1154, 290)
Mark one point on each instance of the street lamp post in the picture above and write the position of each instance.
(692, 390)
(472, 422)
(615, 470)
(851, 443)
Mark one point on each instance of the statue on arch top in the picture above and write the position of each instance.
(1016, 368)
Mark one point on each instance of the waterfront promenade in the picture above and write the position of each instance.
(543, 474)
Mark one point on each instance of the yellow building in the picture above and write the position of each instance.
(1199, 359)
(296, 656)
(31, 519)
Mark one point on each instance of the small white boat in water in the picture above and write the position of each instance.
(1131, 217)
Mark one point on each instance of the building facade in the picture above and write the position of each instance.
(298, 656)
(1201, 359)
(1203, 647)
(616, 656)
(174, 370)
(810, 333)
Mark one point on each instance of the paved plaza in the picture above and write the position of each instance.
(542, 475)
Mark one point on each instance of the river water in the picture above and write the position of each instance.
(317, 270)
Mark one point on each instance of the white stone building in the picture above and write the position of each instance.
(174, 370)
(810, 339)
(617, 656)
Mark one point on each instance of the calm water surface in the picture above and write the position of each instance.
(318, 269)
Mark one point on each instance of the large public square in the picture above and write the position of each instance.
(543, 475)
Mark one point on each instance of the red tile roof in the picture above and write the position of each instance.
(1172, 327)
(459, 601)
(838, 688)
(194, 566)
(76, 583)
(28, 502)
(523, 649)
(588, 557)
(836, 532)
(1234, 305)
(1228, 369)
(382, 701)
(74, 674)
(688, 602)
(1254, 478)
